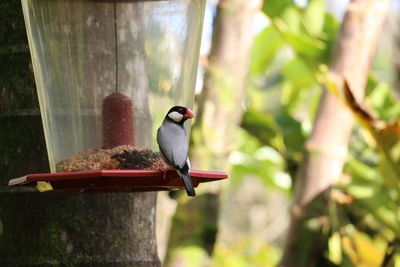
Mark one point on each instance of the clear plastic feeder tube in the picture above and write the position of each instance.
(107, 71)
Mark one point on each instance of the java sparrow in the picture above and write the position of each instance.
(172, 141)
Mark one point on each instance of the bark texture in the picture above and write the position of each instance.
(47, 228)
(220, 109)
(221, 103)
(326, 149)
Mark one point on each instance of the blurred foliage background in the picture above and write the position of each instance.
(292, 46)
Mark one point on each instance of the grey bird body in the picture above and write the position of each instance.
(172, 141)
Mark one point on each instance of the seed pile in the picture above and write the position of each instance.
(135, 159)
(121, 157)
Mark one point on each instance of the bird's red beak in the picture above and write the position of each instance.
(189, 114)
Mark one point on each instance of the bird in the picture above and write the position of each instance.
(172, 141)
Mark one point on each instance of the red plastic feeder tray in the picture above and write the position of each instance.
(115, 180)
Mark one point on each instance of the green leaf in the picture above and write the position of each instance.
(268, 167)
(314, 16)
(291, 95)
(335, 248)
(330, 30)
(264, 128)
(390, 178)
(292, 133)
(265, 47)
(274, 8)
(299, 74)
(267, 153)
(247, 142)
(361, 191)
(388, 140)
(381, 99)
(382, 208)
(331, 26)
(305, 45)
(361, 171)
(290, 20)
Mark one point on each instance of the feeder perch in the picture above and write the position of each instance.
(114, 180)
(106, 74)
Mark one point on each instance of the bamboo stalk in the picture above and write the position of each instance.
(326, 149)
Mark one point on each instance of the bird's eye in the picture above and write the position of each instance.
(180, 110)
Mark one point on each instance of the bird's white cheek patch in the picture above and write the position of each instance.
(175, 116)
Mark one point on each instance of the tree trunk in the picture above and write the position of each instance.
(56, 229)
(220, 109)
(326, 149)
(221, 103)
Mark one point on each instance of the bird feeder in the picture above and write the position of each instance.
(106, 74)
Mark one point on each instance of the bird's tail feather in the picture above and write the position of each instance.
(188, 182)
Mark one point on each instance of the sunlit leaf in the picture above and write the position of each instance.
(274, 8)
(268, 172)
(331, 26)
(264, 49)
(299, 74)
(264, 128)
(383, 208)
(381, 99)
(267, 153)
(314, 15)
(361, 191)
(335, 248)
(247, 142)
(390, 137)
(292, 133)
(305, 45)
(389, 175)
(362, 250)
(330, 30)
(360, 170)
(290, 20)
(190, 255)
(245, 253)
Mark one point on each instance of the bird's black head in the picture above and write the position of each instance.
(180, 114)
